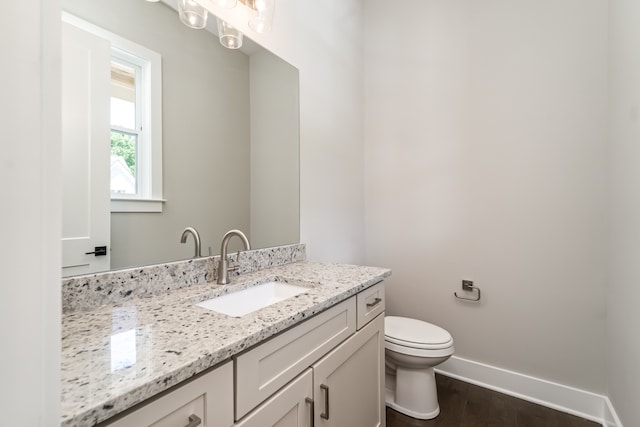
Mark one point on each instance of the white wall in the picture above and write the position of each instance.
(485, 131)
(623, 316)
(30, 219)
(331, 126)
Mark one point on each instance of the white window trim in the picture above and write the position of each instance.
(151, 200)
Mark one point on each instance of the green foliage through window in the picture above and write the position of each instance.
(124, 145)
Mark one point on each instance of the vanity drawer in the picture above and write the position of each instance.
(208, 398)
(371, 302)
(261, 371)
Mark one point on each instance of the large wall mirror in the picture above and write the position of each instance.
(230, 139)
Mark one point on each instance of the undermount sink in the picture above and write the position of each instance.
(239, 303)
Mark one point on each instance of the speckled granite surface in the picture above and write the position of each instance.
(119, 355)
(81, 293)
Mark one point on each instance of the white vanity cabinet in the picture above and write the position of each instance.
(348, 383)
(329, 370)
(266, 368)
(206, 401)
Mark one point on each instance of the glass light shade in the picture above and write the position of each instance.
(230, 37)
(192, 14)
(226, 4)
(261, 16)
(262, 4)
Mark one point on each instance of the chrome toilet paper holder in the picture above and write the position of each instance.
(467, 285)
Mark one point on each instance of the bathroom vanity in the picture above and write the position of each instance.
(313, 359)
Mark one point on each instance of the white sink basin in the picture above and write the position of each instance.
(239, 303)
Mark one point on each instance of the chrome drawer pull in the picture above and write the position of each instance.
(325, 415)
(374, 303)
(194, 421)
(311, 419)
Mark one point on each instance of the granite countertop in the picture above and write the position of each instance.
(117, 356)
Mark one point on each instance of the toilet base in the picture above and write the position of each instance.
(390, 402)
(413, 392)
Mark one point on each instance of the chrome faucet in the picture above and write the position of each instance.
(196, 238)
(223, 265)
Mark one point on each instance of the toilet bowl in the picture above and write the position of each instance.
(412, 349)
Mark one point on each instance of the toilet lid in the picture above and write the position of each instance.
(415, 333)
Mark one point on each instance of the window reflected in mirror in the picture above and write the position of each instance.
(125, 129)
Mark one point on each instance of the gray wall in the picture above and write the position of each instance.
(274, 147)
(486, 152)
(623, 316)
(206, 136)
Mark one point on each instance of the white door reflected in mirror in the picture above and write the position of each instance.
(85, 128)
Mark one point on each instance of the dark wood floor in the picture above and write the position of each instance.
(467, 405)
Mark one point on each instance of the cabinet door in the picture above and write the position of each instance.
(263, 370)
(348, 383)
(290, 407)
(204, 402)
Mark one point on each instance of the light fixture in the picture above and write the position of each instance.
(230, 37)
(260, 15)
(192, 14)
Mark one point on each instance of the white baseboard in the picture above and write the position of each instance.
(591, 406)
(610, 416)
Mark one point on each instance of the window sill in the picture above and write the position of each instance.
(136, 205)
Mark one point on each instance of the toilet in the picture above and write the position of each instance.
(412, 348)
